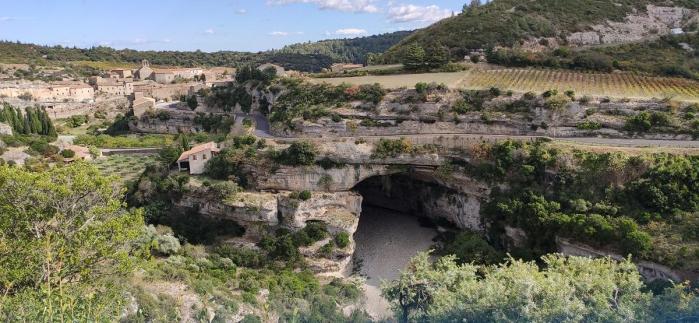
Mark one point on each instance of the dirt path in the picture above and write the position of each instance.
(386, 241)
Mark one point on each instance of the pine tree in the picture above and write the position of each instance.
(414, 57)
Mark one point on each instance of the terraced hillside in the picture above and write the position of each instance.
(126, 167)
(619, 85)
(615, 85)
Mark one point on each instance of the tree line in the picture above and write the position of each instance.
(34, 120)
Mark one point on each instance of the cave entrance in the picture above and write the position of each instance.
(395, 224)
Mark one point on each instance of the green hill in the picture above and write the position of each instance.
(510, 23)
(307, 57)
(353, 50)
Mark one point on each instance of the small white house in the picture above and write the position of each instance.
(676, 31)
(196, 158)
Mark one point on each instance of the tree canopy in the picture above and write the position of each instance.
(567, 289)
(63, 234)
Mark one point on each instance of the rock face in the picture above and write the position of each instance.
(655, 22)
(315, 178)
(340, 211)
(5, 129)
(260, 212)
(245, 208)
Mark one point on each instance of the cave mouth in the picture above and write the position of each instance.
(393, 227)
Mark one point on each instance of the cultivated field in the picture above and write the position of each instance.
(616, 85)
(126, 167)
(594, 84)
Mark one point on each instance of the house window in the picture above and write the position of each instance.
(194, 157)
(203, 157)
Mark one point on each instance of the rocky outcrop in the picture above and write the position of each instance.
(315, 178)
(5, 129)
(262, 212)
(340, 211)
(654, 22)
(245, 208)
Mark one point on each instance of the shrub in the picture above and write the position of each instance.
(550, 93)
(460, 106)
(67, 153)
(342, 240)
(468, 247)
(76, 121)
(305, 195)
(421, 87)
(556, 102)
(326, 250)
(589, 125)
(645, 121)
(392, 148)
(167, 245)
(298, 154)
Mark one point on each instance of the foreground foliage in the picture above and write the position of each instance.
(65, 238)
(566, 290)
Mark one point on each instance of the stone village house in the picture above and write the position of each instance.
(196, 158)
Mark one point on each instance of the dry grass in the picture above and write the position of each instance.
(400, 80)
(105, 66)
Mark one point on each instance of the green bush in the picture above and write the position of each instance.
(468, 247)
(342, 240)
(67, 153)
(646, 121)
(305, 195)
(392, 148)
(298, 154)
(326, 250)
(589, 125)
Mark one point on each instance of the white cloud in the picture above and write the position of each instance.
(241, 12)
(209, 31)
(285, 33)
(8, 18)
(365, 6)
(348, 32)
(413, 13)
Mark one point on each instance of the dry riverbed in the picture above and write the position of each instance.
(386, 241)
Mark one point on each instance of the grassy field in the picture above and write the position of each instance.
(126, 167)
(400, 80)
(105, 66)
(616, 85)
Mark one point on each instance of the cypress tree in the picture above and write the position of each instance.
(36, 121)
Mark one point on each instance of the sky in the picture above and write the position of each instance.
(210, 25)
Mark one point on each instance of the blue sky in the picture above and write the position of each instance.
(209, 25)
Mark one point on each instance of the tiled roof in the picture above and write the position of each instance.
(197, 149)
